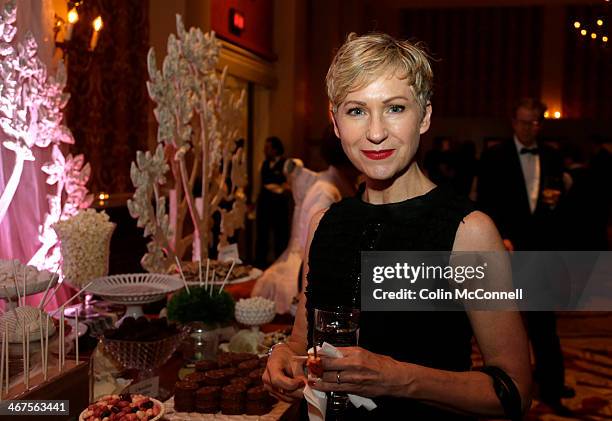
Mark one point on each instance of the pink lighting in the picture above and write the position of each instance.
(31, 127)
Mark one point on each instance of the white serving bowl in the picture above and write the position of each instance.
(255, 311)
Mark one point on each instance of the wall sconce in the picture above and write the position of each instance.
(66, 26)
(97, 26)
(556, 115)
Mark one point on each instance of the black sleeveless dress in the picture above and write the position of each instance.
(433, 339)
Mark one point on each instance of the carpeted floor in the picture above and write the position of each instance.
(586, 339)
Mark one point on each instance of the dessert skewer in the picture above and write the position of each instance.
(212, 282)
(200, 272)
(62, 338)
(18, 293)
(178, 264)
(40, 305)
(2, 364)
(23, 350)
(76, 335)
(24, 285)
(27, 359)
(42, 343)
(227, 275)
(15, 284)
(57, 287)
(8, 297)
(6, 360)
(72, 298)
(46, 348)
(206, 281)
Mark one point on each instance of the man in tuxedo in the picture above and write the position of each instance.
(520, 186)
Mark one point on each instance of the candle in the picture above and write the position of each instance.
(73, 17)
(97, 25)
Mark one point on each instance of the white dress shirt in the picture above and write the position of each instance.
(530, 164)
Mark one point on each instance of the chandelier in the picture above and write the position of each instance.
(595, 29)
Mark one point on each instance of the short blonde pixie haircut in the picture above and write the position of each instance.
(363, 59)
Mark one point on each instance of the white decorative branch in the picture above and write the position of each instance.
(148, 175)
(31, 114)
(199, 125)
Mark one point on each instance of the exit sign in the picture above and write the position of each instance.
(236, 22)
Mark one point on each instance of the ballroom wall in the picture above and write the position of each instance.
(490, 53)
(107, 111)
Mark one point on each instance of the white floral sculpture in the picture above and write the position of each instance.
(31, 104)
(70, 175)
(148, 174)
(199, 124)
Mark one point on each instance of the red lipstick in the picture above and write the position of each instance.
(378, 155)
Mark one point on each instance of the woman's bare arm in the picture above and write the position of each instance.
(501, 337)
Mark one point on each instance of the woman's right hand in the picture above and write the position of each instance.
(279, 378)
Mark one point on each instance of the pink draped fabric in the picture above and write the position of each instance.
(19, 227)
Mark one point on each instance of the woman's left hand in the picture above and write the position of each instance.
(362, 373)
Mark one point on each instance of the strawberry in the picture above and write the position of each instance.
(314, 365)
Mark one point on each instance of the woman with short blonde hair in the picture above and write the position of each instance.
(414, 365)
(360, 60)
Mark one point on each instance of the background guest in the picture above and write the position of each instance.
(520, 186)
(582, 226)
(272, 220)
(601, 170)
(439, 162)
(312, 192)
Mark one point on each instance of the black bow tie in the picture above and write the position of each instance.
(533, 151)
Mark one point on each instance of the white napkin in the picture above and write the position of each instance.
(317, 400)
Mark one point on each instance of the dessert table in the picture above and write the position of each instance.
(168, 373)
(241, 290)
(76, 382)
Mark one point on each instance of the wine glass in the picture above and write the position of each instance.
(338, 327)
(552, 186)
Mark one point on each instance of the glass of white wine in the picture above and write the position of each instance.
(338, 327)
